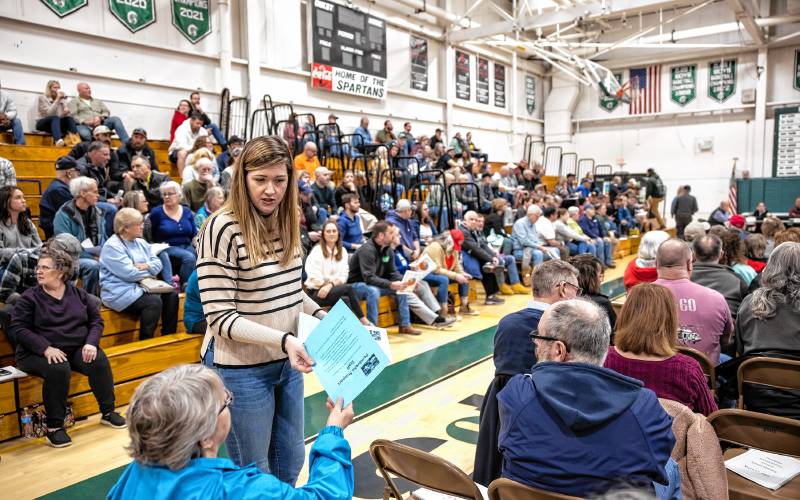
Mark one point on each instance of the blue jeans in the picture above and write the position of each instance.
(217, 133)
(578, 248)
(166, 267)
(441, 282)
(54, 125)
(266, 416)
(372, 293)
(112, 122)
(17, 131)
(603, 250)
(184, 259)
(672, 490)
(528, 253)
(89, 271)
(511, 268)
(109, 211)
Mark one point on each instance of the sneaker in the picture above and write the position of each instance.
(611, 266)
(494, 301)
(58, 438)
(506, 290)
(113, 419)
(60, 143)
(467, 310)
(442, 321)
(409, 330)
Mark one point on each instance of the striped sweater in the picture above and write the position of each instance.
(248, 306)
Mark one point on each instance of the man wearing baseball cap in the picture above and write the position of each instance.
(57, 193)
(136, 145)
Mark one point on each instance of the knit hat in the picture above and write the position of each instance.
(737, 221)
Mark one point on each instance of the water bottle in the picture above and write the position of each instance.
(27, 424)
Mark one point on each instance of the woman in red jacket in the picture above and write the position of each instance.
(642, 269)
(180, 116)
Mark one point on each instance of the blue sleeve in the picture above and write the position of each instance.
(119, 264)
(341, 222)
(330, 475)
(152, 260)
(657, 428)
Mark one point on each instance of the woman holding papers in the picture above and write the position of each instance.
(326, 272)
(248, 273)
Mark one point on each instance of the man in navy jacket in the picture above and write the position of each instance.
(592, 229)
(576, 428)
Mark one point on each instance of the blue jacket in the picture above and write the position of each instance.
(514, 353)
(118, 274)
(581, 429)
(524, 234)
(351, 232)
(364, 135)
(590, 226)
(401, 262)
(407, 236)
(192, 308)
(330, 477)
(69, 221)
(583, 191)
(166, 230)
(622, 213)
(54, 197)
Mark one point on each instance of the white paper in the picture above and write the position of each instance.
(423, 266)
(305, 324)
(426, 494)
(87, 244)
(770, 470)
(15, 373)
(410, 280)
(157, 248)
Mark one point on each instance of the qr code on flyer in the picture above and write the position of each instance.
(370, 364)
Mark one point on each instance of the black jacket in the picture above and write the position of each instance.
(150, 190)
(326, 197)
(476, 245)
(114, 170)
(722, 279)
(373, 266)
(126, 154)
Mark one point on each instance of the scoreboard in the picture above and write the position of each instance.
(348, 50)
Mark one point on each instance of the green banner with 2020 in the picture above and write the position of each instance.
(192, 18)
(133, 14)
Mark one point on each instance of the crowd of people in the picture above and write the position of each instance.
(262, 232)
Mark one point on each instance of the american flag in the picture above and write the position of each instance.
(645, 90)
(732, 191)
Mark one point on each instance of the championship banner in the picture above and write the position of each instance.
(419, 63)
(721, 79)
(349, 54)
(463, 90)
(499, 85)
(797, 69)
(192, 18)
(530, 94)
(607, 102)
(683, 83)
(63, 8)
(133, 14)
(482, 86)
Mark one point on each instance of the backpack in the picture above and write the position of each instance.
(659, 191)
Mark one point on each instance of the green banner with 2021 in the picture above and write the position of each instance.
(192, 18)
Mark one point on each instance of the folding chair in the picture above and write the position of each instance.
(705, 363)
(741, 429)
(420, 468)
(782, 376)
(506, 489)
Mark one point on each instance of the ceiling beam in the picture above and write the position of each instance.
(747, 20)
(561, 16)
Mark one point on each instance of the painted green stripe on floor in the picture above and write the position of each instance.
(396, 380)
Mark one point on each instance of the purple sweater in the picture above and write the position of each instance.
(678, 378)
(40, 321)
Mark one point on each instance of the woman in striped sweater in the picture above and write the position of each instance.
(248, 270)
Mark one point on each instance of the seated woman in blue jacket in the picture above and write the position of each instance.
(126, 259)
(177, 421)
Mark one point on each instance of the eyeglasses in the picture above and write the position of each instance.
(44, 268)
(534, 335)
(228, 401)
(578, 290)
(168, 195)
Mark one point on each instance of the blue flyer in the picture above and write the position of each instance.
(347, 357)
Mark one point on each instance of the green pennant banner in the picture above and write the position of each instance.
(797, 69)
(192, 18)
(608, 102)
(63, 8)
(683, 83)
(721, 79)
(133, 14)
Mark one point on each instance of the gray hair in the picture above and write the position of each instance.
(166, 186)
(548, 275)
(573, 210)
(648, 248)
(80, 184)
(534, 209)
(62, 261)
(583, 326)
(125, 218)
(214, 191)
(780, 282)
(171, 413)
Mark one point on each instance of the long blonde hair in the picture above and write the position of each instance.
(258, 231)
(50, 83)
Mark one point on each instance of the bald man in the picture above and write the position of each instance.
(704, 318)
(308, 160)
(89, 113)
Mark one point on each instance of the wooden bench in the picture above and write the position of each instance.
(387, 307)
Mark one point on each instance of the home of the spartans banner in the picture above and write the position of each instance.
(133, 14)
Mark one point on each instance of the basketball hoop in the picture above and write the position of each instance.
(623, 93)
